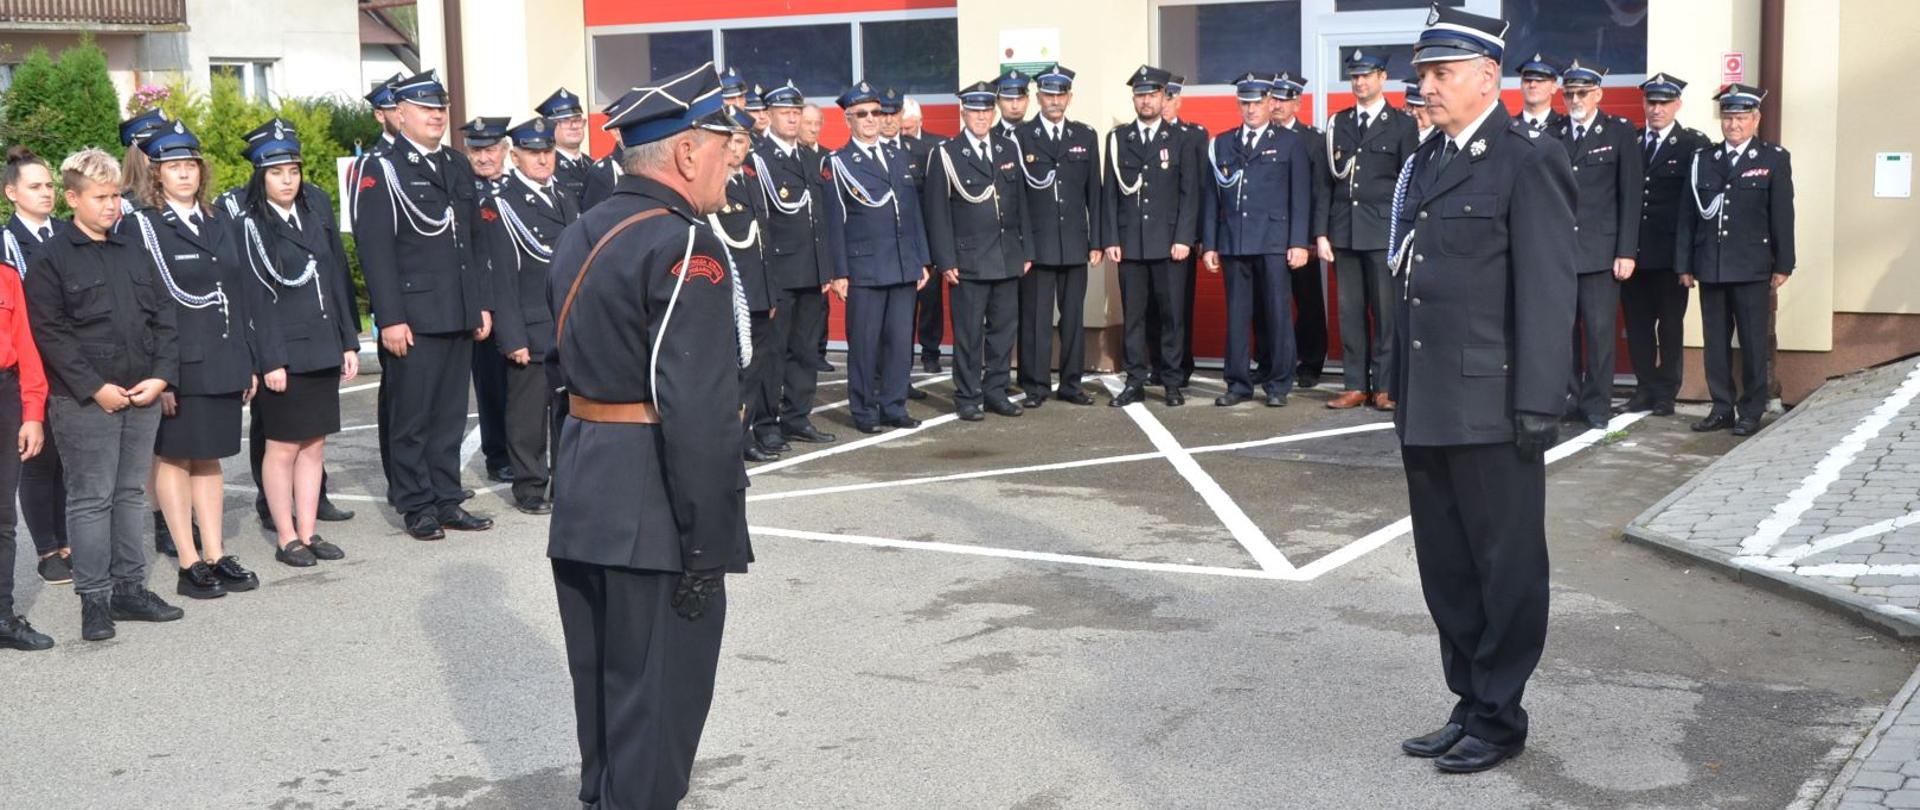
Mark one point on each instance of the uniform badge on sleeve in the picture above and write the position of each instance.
(489, 215)
(705, 267)
(368, 182)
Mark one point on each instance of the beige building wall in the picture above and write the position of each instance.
(516, 52)
(1877, 261)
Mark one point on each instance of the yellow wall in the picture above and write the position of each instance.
(1809, 129)
(1877, 243)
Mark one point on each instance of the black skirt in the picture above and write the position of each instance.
(201, 428)
(308, 409)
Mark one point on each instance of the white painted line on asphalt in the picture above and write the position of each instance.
(1242, 527)
(361, 387)
(339, 496)
(869, 441)
(845, 402)
(1787, 513)
(1017, 554)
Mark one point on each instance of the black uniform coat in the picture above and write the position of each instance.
(305, 328)
(1751, 238)
(1065, 213)
(797, 256)
(1488, 290)
(669, 496)
(1609, 177)
(1165, 209)
(600, 181)
(29, 244)
(216, 347)
(1271, 208)
(317, 204)
(571, 174)
(100, 315)
(1322, 186)
(1358, 206)
(988, 240)
(746, 213)
(874, 247)
(521, 319)
(1665, 193)
(435, 284)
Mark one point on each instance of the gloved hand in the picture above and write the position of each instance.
(1533, 433)
(695, 588)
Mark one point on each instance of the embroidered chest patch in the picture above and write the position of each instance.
(700, 267)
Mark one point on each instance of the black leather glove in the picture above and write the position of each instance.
(695, 588)
(1533, 433)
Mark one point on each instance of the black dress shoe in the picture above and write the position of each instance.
(1473, 755)
(233, 577)
(1306, 380)
(1127, 396)
(536, 505)
(1597, 424)
(16, 634)
(501, 475)
(867, 427)
(296, 554)
(198, 582)
(1276, 400)
(1077, 398)
(134, 603)
(752, 453)
(808, 433)
(823, 365)
(422, 527)
(96, 617)
(773, 444)
(460, 520)
(970, 413)
(901, 422)
(1638, 403)
(1714, 421)
(1746, 427)
(467, 494)
(1033, 400)
(1662, 408)
(1175, 399)
(1230, 399)
(324, 550)
(1432, 745)
(915, 393)
(329, 513)
(1004, 407)
(930, 365)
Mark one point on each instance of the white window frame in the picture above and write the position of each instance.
(248, 84)
(719, 26)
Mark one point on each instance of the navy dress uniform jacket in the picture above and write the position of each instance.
(1064, 213)
(1322, 185)
(745, 213)
(435, 284)
(1751, 238)
(1488, 289)
(316, 204)
(1164, 209)
(797, 256)
(521, 318)
(874, 246)
(600, 180)
(1271, 208)
(662, 497)
(29, 244)
(987, 241)
(1359, 206)
(1609, 180)
(571, 174)
(304, 328)
(216, 343)
(1665, 193)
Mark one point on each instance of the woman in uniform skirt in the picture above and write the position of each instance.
(197, 260)
(306, 334)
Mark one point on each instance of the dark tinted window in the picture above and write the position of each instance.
(1213, 43)
(1563, 30)
(621, 61)
(912, 56)
(818, 58)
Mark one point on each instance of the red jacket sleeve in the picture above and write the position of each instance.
(19, 335)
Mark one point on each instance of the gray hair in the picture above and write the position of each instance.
(909, 107)
(649, 158)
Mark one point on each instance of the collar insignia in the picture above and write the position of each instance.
(1478, 148)
(413, 157)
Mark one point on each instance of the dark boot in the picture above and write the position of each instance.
(134, 603)
(96, 617)
(17, 634)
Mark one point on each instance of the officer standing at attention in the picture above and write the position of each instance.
(978, 234)
(1195, 137)
(1149, 219)
(890, 105)
(486, 147)
(1255, 212)
(430, 294)
(1061, 162)
(1608, 175)
(798, 268)
(1737, 260)
(1368, 143)
(652, 336)
(878, 243)
(519, 225)
(930, 307)
(1653, 302)
(1417, 107)
(1310, 325)
(1486, 290)
(571, 164)
(741, 225)
(1011, 99)
(1539, 80)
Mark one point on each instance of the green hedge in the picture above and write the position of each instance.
(58, 107)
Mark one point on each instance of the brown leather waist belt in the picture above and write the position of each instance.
(626, 413)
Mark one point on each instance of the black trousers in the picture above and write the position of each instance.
(1185, 314)
(985, 317)
(820, 331)
(10, 416)
(931, 318)
(1042, 289)
(642, 682)
(760, 390)
(426, 414)
(1152, 293)
(490, 398)
(803, 313)
(527, 426)
(43, 496)
(1655, 308)
(383, 403)
(1590, 388)
(557, 410)
(880, 351)
(1366, 288)
(1479, 536)
(1725, 310)
(1310, 318)
(1259, 285)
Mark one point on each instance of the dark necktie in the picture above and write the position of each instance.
(1446, 157)
(44, 233)
(1579, 134)
(1246, 144)
(293, 221)
(1363, 119)
(1653, 145)
(1540, 125)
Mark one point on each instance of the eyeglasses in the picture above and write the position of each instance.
(860, 114)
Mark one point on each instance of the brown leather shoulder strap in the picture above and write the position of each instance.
(566, 306)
